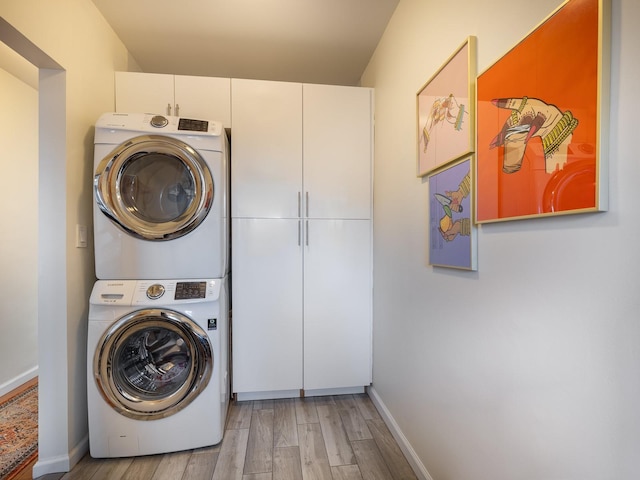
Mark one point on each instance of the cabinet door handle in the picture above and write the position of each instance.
(306, 204)
(299, 232)
(299, 206)
(177, 110)
(306, 237)
(168, 109)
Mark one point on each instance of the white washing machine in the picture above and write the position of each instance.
(161, 206)
(157, 366)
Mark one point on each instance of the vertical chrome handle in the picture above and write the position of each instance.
(177, 110)
(306, 204)
(299, 232)
(306, 237)
(168, 109)
(299, 205)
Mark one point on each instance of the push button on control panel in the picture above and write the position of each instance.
(159, 121)
(155, 291)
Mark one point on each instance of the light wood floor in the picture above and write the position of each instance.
(333, 438)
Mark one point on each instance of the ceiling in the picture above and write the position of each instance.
(313, 41)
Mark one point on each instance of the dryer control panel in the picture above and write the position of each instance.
(109, 124)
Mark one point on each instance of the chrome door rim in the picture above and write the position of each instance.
(107, 182)
(135, 406)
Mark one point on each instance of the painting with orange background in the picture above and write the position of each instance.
(537, 120)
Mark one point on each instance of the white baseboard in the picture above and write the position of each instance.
(333, 391)
(417, 465)
(279, 394)
(79, 451)
(57, 464)
(19, 380)
(245, 396)
(62, 463)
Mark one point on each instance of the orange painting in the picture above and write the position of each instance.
(537, 120)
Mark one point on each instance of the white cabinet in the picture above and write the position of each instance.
(267, 305)
(267, 149)
(337, 304)
(337, 151)
(301, 238)
(206, 98)
(144, 92)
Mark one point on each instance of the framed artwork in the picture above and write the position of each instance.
(452, 233)
(446, 111)
(541, 116)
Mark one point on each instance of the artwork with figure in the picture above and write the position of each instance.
(451, 230)
(537, 121)
(444, 113)
(445, 110)
(531, 118)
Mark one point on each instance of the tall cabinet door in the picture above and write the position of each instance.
(337, 151)
(267, 149)
(144, 93)
(337, 304)
(267, 305)
(205, 98)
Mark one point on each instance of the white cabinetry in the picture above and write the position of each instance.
(337, 132)
(267, 305)
(267, 149)
(337, 304)
(187, 96)
(301, 238)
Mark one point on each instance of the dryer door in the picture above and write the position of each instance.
(152, 363)
(154, 187)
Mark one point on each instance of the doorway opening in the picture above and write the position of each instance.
(53, 419)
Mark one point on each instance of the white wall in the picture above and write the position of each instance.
(18, 231)
(76, 36)
(530, 367)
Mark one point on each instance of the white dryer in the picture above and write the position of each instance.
(157, 366)
(161, 206)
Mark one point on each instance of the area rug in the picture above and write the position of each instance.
(18, 432)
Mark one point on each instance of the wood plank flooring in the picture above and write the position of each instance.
(322, 438)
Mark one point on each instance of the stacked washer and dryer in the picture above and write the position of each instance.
(157, 354)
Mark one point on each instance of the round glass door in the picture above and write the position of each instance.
(152, 363)
(154, 187)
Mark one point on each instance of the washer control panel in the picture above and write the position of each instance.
(155, 292)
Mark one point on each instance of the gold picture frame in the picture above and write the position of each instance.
(542, 119)
(445, 111)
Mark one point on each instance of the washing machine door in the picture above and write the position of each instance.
(152, 363)
(154, 187)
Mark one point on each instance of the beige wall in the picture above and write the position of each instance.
(18, 230)
(73, 34)
(530, 367)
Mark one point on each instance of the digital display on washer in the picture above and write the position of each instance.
(193, 125)
(190, 290)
